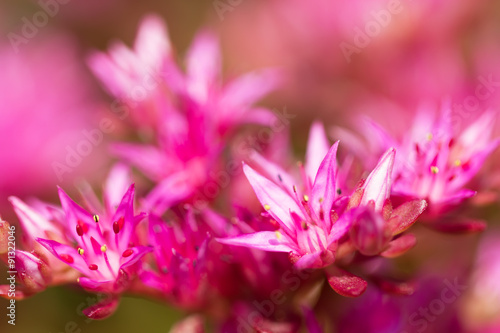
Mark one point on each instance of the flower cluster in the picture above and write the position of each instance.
(283, 238)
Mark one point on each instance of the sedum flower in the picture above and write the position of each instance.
(435, 162)
(105, 248)
(191, 113)
(102, 249)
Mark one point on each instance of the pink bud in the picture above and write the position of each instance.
(32, 271)
(369, 231)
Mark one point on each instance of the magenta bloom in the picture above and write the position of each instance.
(312, 220)
(436, 161)
(180, 256)
(191, 113)
(105, 247)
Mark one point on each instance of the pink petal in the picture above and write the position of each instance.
(117, 183)
(103, 309)
(76, 214)
(345, 283)
(317, 148)
(203, 65)
(377, 186)
(262, 240)
(272, 171)
(273, 197)
(152, 43)
(66, 254)
(399, 246)
(324, 191)
(34, 224)
(125, 210)
(137, 253)
(148, 159)
(249, 88)
(405, 215)
(95, 286)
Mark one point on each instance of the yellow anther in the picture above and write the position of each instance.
(458, 163)
(81, 251)
(306, 198)
(278, 235)
(96, 218)
(267, 207)
(104, 248)
(321, 200)
(434, 169)
(429, 136)
(77, 280)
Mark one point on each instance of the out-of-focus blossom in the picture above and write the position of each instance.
(436, 159)
(180, 253)
(192, 113)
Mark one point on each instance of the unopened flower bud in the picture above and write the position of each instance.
(369, 231)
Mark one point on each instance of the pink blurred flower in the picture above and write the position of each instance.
(436, 159)
(191, 114)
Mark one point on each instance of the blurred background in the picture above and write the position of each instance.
(337, 65)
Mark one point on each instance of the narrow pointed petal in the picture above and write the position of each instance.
(125, 211)
(262, 240)
(134, 254)
(345, 283)
(152, 43)
(339, 229)
(274, 199)
(95, 286)
(317, 148)
(400, 246)
(65, 253)
(34, 224)
(377, 186)
(405, 215)
(148, 159)
(249, 88)
(103, 309)
(203, 65)
(76, 215)
(117, 183)
(324, 191)
(271, 170)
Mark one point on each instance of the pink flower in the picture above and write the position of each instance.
(180, 256)
(191, 113)
(102, 249)
(105, 247)
(312, 220)
(436, 161)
